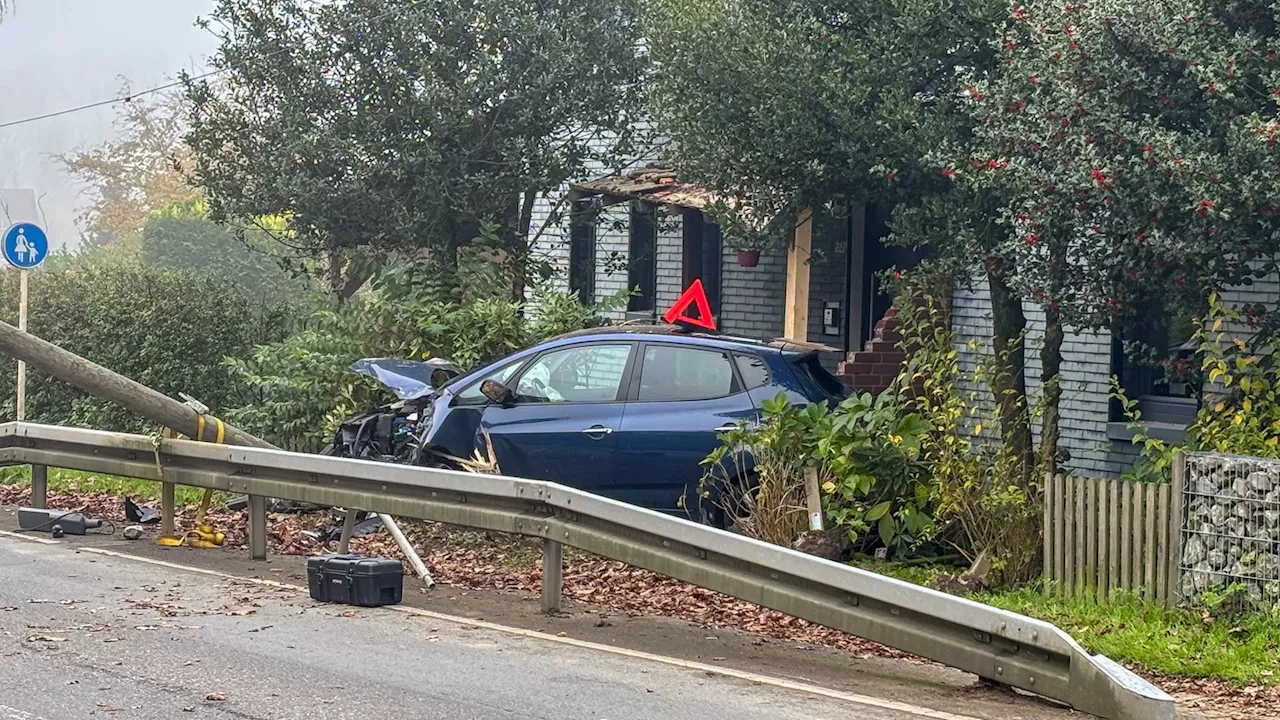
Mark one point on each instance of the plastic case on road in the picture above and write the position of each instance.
(355, 580)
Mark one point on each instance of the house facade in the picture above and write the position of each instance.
(645, 230)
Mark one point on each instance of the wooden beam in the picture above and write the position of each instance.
(796, 324)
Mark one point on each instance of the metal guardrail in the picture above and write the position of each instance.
(996, 644)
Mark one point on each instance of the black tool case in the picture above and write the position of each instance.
(355, 580)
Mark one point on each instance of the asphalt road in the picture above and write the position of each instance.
(83, 635)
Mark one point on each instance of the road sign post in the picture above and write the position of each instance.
(25, 246)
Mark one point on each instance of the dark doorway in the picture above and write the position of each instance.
(869, 256)
(582, 250)
(642, 265)
(702, 256)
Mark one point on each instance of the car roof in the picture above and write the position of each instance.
(674, 333)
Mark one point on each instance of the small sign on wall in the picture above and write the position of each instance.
(830, 318)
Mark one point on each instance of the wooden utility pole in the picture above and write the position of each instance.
(101, 382)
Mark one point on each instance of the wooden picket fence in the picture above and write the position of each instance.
(1102, 535)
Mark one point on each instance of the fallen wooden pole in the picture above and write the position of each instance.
(158, 408)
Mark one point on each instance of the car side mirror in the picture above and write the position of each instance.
(497, 392)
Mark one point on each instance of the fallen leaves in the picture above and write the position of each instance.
(216, 697)
(45, 639)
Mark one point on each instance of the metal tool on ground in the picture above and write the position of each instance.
(204, 535)
(42, 520)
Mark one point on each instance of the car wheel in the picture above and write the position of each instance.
(730, 501)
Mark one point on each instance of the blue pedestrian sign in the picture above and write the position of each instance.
(25, 246)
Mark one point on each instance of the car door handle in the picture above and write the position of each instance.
(601, 431)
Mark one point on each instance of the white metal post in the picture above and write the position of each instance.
(21, 408)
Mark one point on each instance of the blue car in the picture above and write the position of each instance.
(626, 412)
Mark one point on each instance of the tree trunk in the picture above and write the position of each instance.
(1051, 387)
(1051, 358)
(520, 249)
(1009, 383)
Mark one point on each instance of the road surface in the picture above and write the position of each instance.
(85, 635)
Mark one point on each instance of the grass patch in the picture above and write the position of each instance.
(1242, 649)
(62, 479)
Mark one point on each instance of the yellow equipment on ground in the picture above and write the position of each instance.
(204, 535)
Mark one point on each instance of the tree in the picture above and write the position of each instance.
(183, 237)
(801, 103)
(378, 126)
(1136, 144)
(146, 168)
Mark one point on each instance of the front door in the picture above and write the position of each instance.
(681, 397)
(563, 423)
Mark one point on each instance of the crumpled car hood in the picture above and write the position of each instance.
(408, 379)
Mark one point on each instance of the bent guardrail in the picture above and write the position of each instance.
(1003, 646)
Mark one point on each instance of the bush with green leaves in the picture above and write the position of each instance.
(167, 329)
(301, 387)
(183, 237)
(867, 453)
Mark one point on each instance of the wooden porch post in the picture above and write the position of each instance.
(796, 324)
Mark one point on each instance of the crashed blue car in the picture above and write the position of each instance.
(626, 412)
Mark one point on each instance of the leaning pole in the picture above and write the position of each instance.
(154, 406)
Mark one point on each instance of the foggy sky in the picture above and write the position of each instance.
(56, 54)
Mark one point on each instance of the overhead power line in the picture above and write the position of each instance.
(101, 103)
(161, 88)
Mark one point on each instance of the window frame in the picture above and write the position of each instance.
(642, 229)
(768, 371)
(624, 384)
(582, 250)
(633, 393)
(1166, 416)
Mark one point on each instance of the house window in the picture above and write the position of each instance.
(642, 266)
(702, 256)
(1154, 358)
(582, 251)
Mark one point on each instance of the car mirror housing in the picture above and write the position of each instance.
(496, 392)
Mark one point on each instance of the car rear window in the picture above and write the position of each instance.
(754, 371)
(817, 377)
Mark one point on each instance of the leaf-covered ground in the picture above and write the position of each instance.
(1219, 666)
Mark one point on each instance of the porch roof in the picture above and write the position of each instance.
(654, 183)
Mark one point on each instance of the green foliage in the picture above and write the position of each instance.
(167, 329)
(980, 486)
(872, 449)
(382, 127)
(182, 236)
(1239, 649)
(302, 388)
(867, 452)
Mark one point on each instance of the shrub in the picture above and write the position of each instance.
(167, 329)
(301, 387)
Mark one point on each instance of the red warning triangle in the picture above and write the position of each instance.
(694, 295)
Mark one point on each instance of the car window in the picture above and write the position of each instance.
(754, 371)
(503, 374)
(680, 373)
(589, 373)
(817, 376)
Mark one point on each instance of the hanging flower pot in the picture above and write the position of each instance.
(748, 258)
